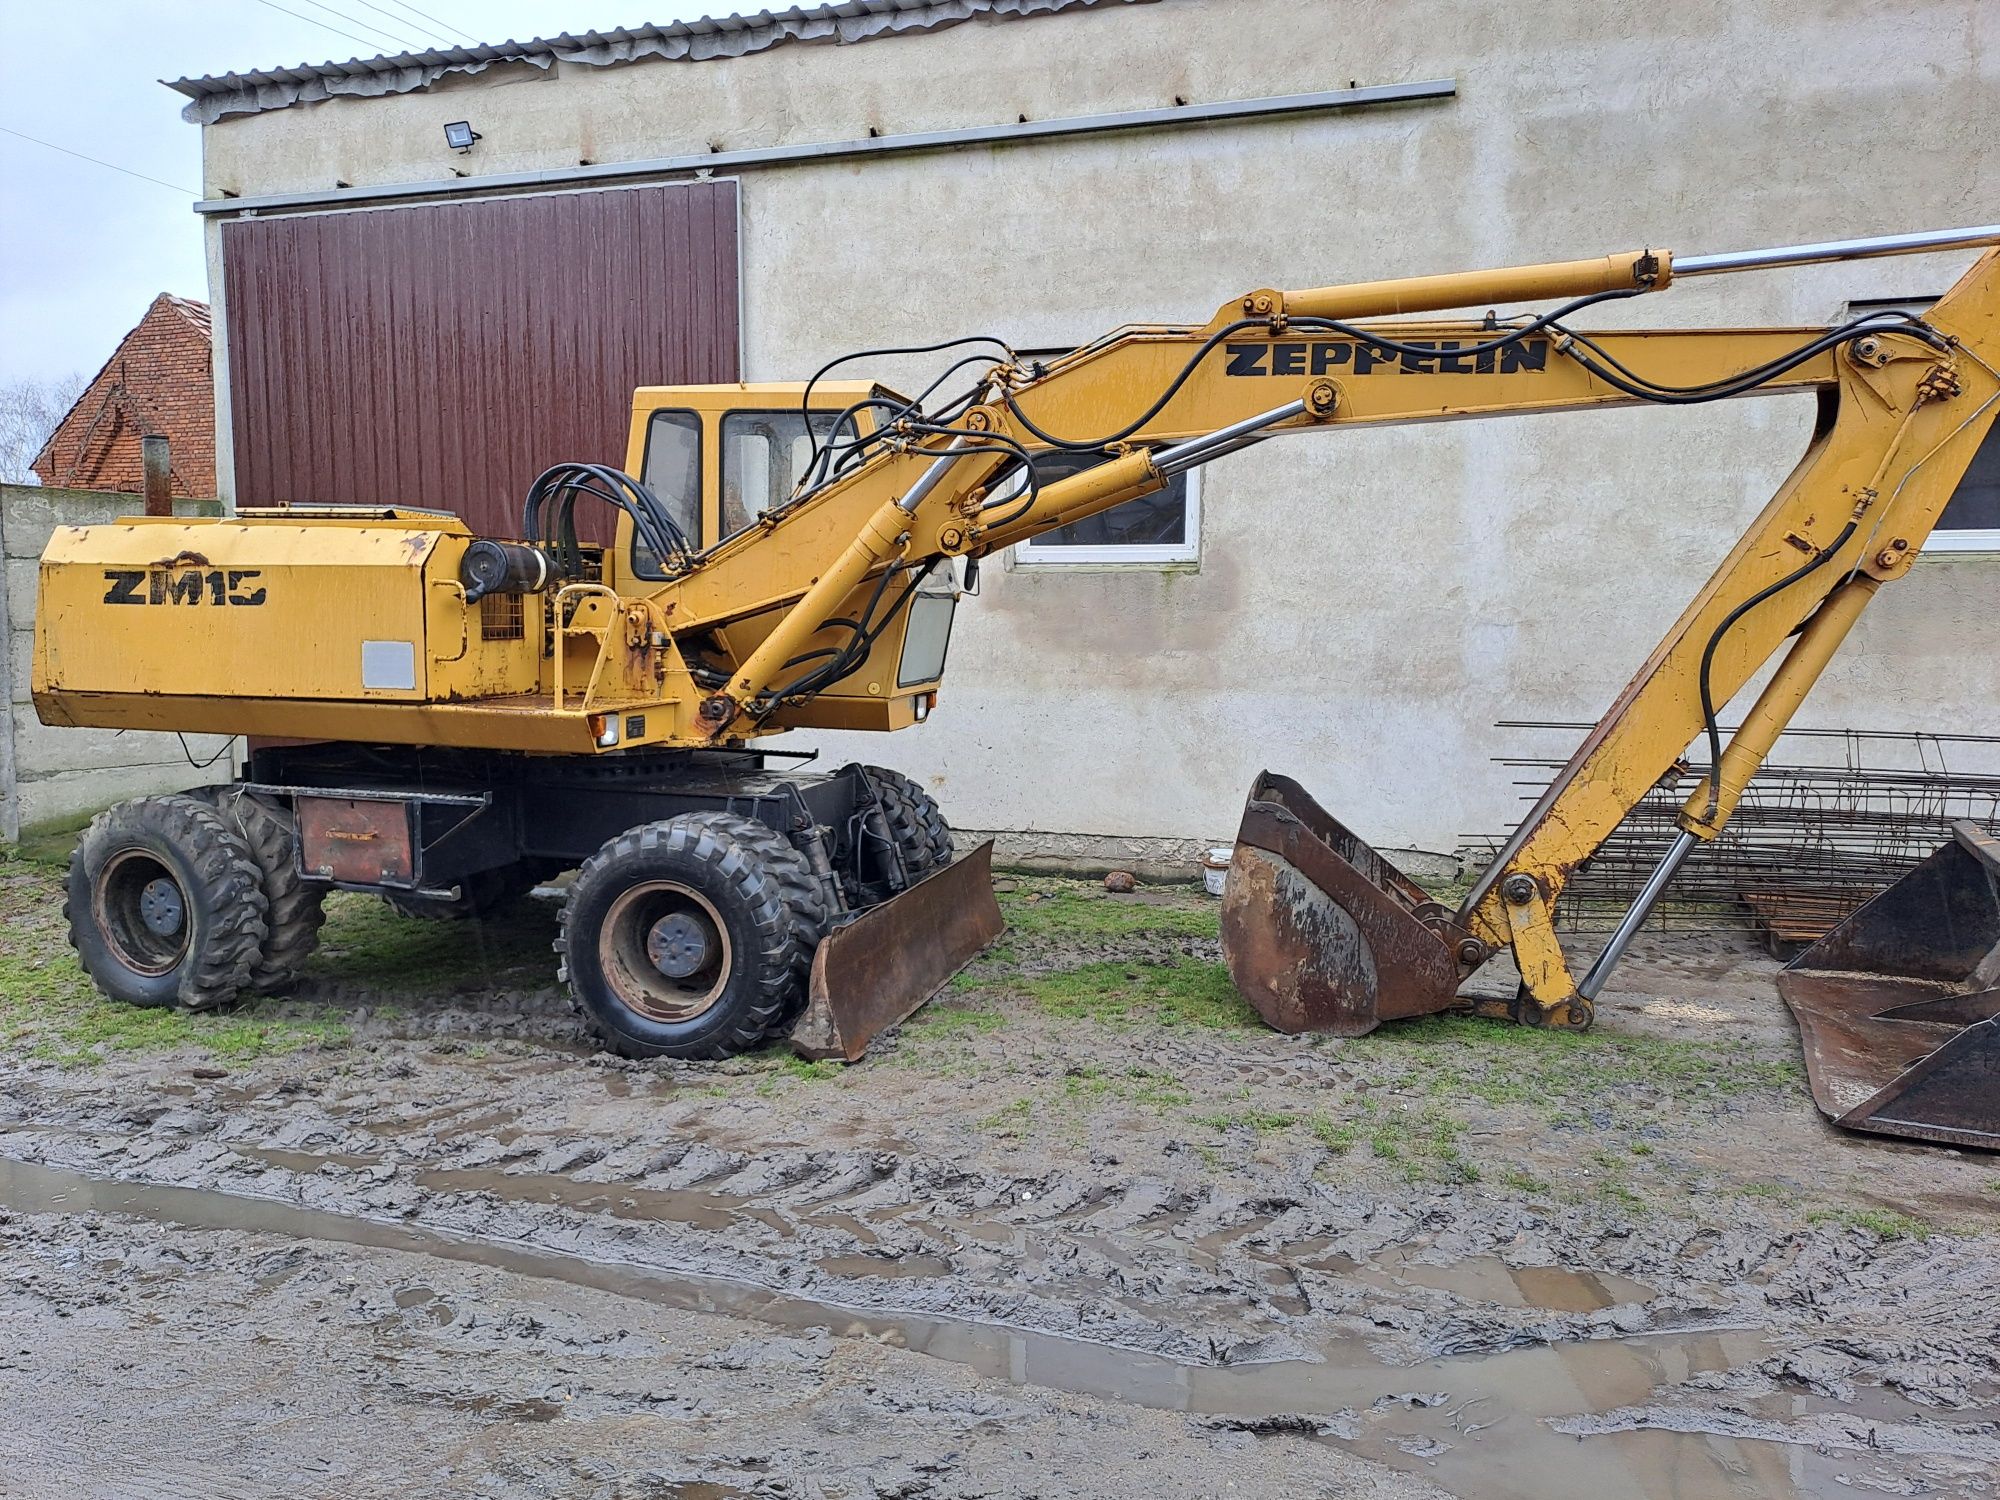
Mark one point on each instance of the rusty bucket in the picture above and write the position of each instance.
(1321, 933)
(1899, 1006)
(881, 967)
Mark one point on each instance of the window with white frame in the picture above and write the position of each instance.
(1164, 527)
(1970, 521)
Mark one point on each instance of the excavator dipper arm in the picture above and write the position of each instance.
(1903, 404)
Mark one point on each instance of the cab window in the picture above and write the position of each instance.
(763, 455)
(672, 471)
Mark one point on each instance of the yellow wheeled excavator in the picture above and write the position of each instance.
(464, 715)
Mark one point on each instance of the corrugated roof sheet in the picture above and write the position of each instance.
(212, 99)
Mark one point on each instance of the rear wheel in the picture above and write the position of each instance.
(165, 904)
(691, 937)
(479, 895)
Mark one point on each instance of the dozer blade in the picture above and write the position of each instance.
(1899, 1006)
(1321, 933)
(881, 967)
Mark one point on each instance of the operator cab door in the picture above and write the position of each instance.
(721, 457)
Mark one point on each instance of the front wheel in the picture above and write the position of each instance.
(691, 937)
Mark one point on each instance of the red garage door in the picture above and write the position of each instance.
(444, 355)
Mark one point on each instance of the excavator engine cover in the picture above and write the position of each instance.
(1899, 1006)
(882, 966)
(1321, 933)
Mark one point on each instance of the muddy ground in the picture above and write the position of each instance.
(1084, 1228)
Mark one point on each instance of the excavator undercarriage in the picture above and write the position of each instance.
(477, 712)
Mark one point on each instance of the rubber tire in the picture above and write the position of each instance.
(922, 836)
(479, 896)
(218, 876)
(294, 909)
(769, 902)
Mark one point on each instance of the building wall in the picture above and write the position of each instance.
(369, 358)
(159, 381)
(53, 773)
(1366, 606)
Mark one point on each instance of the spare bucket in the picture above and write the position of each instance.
(1321, 933)
(1899, 1006)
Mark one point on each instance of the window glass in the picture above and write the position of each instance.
(672, 472)
(1154, 528)
(763, 454)
(1975, 504)
(930, 629)
(1970, 520)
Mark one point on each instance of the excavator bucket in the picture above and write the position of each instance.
(1899, 1006)
(1321, 933)
(884, 965)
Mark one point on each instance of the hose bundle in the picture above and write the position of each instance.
(548, 516)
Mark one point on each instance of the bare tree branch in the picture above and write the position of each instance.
(29, 411)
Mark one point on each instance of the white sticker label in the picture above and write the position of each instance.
(389, 666)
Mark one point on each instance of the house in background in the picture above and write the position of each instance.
(159, 382)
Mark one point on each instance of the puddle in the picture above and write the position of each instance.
(461, 1119)
(303, 1162)
(618, 1200)
(1475, 1425)
(1486, 1278)
(894, 1268)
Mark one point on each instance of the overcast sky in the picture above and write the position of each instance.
(84, 248)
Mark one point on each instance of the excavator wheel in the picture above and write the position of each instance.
(479, 896)
(915, 824)
(295, 910)
(165, 904)
(691, 937)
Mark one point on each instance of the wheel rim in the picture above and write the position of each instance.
(142, 910)
(664, 951)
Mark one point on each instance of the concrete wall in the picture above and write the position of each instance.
(1365, 608)
(50, 773)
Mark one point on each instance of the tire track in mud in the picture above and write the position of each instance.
(1288, 1301)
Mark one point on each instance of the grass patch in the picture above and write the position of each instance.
(1338, 1136)
(1455, 1057)
(1619, 1194)
(1258, 1120)
(1442, 1156)
(1155, 1089)
(364, 943)
(814, 1070)
(50, 1010)
(1187, 994)
(1884, 1222)
(48, 844)
(1516, 1180)
(991, 970)
(1423, 1149)
(1138, 1085)
(939, 1019)
(1009, 1121)
(1072, 909)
